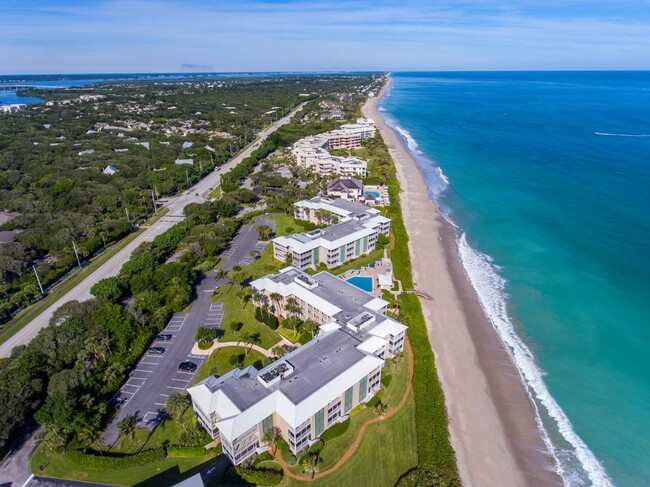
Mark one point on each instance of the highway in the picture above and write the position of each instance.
(195, 194)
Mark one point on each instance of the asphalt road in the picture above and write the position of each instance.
(196, 194)
(156, 376)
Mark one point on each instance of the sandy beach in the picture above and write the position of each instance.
(492, 419)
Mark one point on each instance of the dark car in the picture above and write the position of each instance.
(163, 338)
(157, 350)
(187, 366)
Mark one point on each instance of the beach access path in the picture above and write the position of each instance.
(176, 206)
(492, 420)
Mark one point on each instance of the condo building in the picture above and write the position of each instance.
(320, 210)
(312, 388)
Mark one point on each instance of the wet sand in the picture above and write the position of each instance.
(492, 419)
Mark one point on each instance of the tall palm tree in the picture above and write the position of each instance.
(271, 437)
(291, 306)
(128, 428)
(275, 299)
(90, 436)
(310, 463)
(176, 404)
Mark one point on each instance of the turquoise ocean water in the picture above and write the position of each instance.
(547, 176)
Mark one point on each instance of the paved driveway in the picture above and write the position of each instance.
(155, 377)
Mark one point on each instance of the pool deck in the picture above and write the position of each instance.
(382, 266)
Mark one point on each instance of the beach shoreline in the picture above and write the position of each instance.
(492, 420)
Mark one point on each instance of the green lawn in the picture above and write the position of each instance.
(236, 310)
(219, 362)
(165, 434)
(388, 450)
(285, 223)
(266, 264)
(165, 472)
(358, 263)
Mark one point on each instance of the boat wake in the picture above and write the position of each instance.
(605, 134)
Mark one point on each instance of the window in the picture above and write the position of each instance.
(363, 388)
(320, 421)
(267, 424)
(348, 400)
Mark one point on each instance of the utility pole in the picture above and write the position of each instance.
(74, 246)
(201, 164)
(38, 279)
(187, 177)
(128, 218)
(155, 208)
(230, 148)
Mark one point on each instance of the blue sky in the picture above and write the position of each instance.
(82, 36)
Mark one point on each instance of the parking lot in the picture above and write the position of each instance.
(156, 376)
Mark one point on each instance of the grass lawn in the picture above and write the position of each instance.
(235, 310)
(165, 434)
(358, 263)
(219, 362)
(164, 472)
(392, 394)
(285, 223)
(266, 264)
(387, 451)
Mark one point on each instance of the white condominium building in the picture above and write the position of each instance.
(320, 210)
(312, 152)
(312, 388)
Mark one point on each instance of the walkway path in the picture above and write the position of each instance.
(353, 448)
(267, 353)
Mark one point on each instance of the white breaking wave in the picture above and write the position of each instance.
(410, 141)
(605, 134)
(490, 288)
(443, 176)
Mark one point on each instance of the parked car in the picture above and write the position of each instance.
(187, 366)
(157, 350)
(163, 338)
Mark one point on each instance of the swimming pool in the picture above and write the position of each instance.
(364, 283)
(374, 193)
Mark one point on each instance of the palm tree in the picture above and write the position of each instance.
(220, 275)
(310, 462)
(176, 404)
(250, 339)
(381, 408)
(271, 438)
(237, 277)
(275, 299)
(264, 232)
(311, 327)
(279, 351)
(128, 427)
(90, 436)
(291, 306)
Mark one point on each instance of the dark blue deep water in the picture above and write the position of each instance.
(548, 177)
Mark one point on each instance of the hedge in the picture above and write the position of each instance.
(335, 431)
(255, 475)
(188, 451)
(100, 463)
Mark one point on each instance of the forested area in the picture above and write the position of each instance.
(52, 157)
(65, 377)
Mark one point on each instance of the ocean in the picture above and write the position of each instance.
(547, 177)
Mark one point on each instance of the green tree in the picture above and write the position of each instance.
(310, 463)
(127, 428)
(271, 437)
(204, 336)
(264, 232)
(108, 289)
(176, 404)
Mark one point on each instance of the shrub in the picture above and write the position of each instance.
(376, 399)
(386, 380)
(418, 477)
(335, 431)
(255, 475)
(100, 463)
